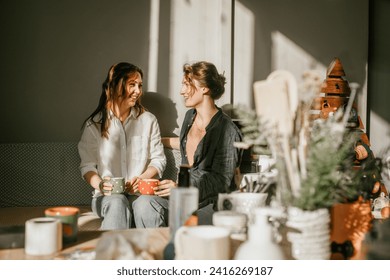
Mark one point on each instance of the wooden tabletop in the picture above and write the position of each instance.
(152, 240)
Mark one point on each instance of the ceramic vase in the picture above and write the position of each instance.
(261, 243)
(310, 239)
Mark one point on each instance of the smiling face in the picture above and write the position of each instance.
(192, 92)
(121, 91)
(131, 93)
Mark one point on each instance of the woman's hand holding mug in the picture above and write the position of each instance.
(109, 186)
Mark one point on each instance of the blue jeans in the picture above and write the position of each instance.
(114, 210)
(123, 212)
(145, 211)
(150, 211)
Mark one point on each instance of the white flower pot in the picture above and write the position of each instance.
(312, 241)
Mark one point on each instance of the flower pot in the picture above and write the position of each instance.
(312, 239)
(349, 224)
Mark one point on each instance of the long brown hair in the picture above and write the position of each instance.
(113, 87)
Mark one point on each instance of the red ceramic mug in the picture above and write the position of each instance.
(146, 186)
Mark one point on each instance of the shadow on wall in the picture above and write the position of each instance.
(165, 111)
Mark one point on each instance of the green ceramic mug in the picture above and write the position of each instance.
(118, 185)
(68, 217)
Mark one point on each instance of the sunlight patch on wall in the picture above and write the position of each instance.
(153, 45)
(379, 138)
(379, 130)
(287, 55)
(200, 30)
(244, 43)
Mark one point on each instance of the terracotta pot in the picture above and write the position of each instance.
(332, 101)
(349, 224)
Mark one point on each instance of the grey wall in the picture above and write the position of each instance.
(54, 57)
(379, 63)
(56, 53)
(324, 29)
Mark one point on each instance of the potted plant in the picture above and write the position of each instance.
(309, 184)
(315, 169)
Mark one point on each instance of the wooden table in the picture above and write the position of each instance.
(155, 240)
(152, 240)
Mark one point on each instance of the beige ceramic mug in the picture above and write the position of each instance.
(202, 243)
(242, 202)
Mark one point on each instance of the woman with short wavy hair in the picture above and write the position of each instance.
(206, 138)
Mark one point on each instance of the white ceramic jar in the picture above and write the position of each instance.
(234, 221)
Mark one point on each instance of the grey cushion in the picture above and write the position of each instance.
(38, 174)
(46, 174)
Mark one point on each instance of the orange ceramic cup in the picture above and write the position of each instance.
(68, 217)
(385, 212)
(145, 186)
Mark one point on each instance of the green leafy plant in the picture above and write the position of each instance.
(330, 175)
(315, 161)
(253, 129)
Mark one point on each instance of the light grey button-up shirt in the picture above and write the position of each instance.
(130, 149)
